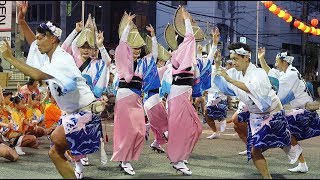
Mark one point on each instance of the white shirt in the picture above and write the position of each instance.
(291, 87)
(75, 93)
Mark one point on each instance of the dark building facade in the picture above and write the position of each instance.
(107, 15)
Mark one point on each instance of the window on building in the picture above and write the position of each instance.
(231, 6)
(42, 12)
(143, 2)
(32, 13)
(141, 21)
(48, 12)
(39, 12)
(177, 3)
(220, 5)
(96, 12)
(292, 48)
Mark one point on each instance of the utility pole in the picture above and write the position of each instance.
(304, 37)
(63, 16)
(223, 27)
(257, 31)
(232, 34)
(209, 38)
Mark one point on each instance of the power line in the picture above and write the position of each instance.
(197, 13)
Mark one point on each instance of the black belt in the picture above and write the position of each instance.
(136, 85)
(182, 75)
(187, 69)
(187, 82)
(154, 91)
(136, 82)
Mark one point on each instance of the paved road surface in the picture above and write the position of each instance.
(211, 159)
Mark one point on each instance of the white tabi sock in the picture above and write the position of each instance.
(79, 166)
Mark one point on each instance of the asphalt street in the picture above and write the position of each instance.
(211, 159)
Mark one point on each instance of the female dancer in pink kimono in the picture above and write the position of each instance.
(183, 122)
(129, 121)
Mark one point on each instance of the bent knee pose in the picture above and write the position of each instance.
(293, 90)
(80, 128)
(252, 86)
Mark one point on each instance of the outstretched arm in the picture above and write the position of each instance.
(215, 38)
(34, 73)
(154, 42)
(104, 54)
(261, 54)
(186, 17)
(29, 35)
(223, 73)
(126, 31)
(67, 42)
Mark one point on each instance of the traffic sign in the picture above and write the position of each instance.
(243, 40)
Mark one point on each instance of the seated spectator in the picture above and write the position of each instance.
(52, 114)
(29, 88)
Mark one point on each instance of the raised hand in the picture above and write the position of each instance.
(199, 48)
(23, 7)
(79, 26)
(130, 17)
(185, 14)
(215, 36)
(261, 52)
(99, 38)
(5, 50)
(151, 30)
(224, 74)
(217, 56)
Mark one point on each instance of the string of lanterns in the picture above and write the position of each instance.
(285, 15)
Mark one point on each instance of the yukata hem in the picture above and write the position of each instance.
(83, 132)
(303, 124)
(218, 111)
(273, 134)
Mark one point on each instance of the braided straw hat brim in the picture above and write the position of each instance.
(179, 25)
(134, 39)
(163, 54)
(170, 37)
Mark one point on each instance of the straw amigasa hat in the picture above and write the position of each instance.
(163, 54)
(179, 25)
(171, 36)
(134, 39)
(87, 34)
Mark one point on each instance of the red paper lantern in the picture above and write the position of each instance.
(296, 23)
(314, 22)
(268, 4)
(286, 16)
(277, 11)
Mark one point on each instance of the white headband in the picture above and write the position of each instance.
(284, 56)
(241, 51)
(54, 29)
